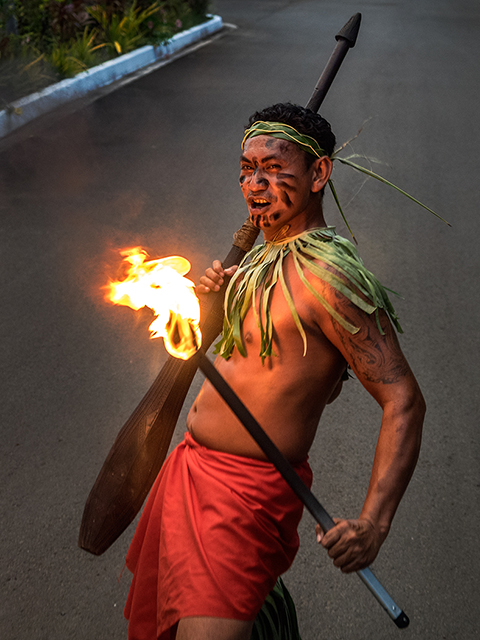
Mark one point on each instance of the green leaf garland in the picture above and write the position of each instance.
(262, 268)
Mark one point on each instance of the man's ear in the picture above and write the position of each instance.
(322, 168)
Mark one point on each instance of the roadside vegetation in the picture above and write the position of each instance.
(43, 41)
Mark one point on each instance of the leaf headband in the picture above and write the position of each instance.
(311, 146)
(284, 132)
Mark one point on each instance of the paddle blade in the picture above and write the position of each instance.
(135, 459)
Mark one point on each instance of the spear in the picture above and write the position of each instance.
(140, 448)
(346, 39)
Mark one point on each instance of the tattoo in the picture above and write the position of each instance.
(242, 179)
(376, 358)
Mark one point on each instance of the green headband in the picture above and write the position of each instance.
(284, 132)
(310, 145)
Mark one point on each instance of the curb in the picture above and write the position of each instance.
(30, 107)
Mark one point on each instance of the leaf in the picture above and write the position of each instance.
(30, 64)
(334, 193)
(347, 325)
(370, 158)
(253, 284)
(370, 173)
(293, 311)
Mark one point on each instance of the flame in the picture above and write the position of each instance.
(160, 285)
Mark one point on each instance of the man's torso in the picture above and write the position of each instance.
(288, 393)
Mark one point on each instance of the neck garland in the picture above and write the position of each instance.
(262, 269)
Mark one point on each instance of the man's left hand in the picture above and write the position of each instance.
(214, 277)
(352, 544)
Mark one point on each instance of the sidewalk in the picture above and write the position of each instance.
(30, 107)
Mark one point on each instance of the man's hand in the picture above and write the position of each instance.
(214, 277)
(352, 544)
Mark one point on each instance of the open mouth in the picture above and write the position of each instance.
(257, 204)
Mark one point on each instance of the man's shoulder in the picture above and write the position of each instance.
(334, 267)
(340, 283)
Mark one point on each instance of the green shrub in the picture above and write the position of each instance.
(23, 73)
(124, 32)
(75, 56)
(59, 38)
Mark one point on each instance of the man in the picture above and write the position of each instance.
(298, 311)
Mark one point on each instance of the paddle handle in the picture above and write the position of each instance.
(212, 303)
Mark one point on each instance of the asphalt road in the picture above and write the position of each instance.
(155, 164)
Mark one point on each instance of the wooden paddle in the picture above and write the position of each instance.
(142, 444)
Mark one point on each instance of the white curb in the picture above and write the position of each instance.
(22, 111)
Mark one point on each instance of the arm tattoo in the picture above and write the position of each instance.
(374, 357)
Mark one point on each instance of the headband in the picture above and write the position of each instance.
(284, 132)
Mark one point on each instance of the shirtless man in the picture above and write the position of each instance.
(283, 188)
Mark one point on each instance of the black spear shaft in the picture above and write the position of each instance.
(346, 39)
(293, 479)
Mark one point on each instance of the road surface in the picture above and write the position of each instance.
(155, 163)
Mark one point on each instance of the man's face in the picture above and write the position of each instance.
(275, 182)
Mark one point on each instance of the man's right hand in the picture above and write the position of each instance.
(214, 277)
(352, 544)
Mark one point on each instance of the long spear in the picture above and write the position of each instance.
(139, 450)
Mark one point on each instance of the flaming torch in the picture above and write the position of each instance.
(161, 286)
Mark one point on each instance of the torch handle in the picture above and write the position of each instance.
(212, 303)
(293, 479)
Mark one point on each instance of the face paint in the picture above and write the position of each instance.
(260, 221)
(275, 182)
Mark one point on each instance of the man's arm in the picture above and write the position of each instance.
(381, 367)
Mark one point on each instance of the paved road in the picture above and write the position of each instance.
(155, 164)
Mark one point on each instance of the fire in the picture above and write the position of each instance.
(161, 286)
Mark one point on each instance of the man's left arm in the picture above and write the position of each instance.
(381, 367)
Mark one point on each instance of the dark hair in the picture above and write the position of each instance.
(303, 120)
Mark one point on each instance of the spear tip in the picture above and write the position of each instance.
(350, 31)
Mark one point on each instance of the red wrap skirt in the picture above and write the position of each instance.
(216, 532)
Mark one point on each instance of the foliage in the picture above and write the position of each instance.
(59, 38)
(123, 33)
(77, 55)
(23, 70)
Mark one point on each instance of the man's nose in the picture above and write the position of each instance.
(259, 180)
